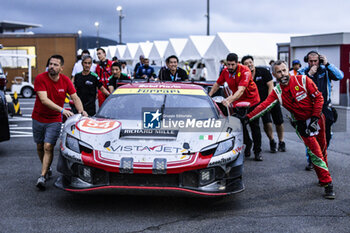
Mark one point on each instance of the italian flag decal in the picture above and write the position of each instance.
(206, 137)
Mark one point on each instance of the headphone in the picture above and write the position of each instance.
(306, 58)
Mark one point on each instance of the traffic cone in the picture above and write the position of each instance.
(16, 105)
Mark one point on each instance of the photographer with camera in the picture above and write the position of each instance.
(322, 73)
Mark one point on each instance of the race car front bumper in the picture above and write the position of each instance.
(213, 181)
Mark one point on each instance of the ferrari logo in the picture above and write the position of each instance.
(297, 88)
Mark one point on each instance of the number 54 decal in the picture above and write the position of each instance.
(97, 127)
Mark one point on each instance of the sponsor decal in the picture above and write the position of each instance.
(206, 137)
(163, 91)
(61, 90)
(296, 88)
(148, 132)
(301, 96)
(221, 161)
(157, 149)
(97, 126)
(237, 150)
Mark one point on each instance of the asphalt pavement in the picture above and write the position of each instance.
(280, 196)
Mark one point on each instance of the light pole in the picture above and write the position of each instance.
(97, 25)
(79, 33)
(207, 15)
(121, 16)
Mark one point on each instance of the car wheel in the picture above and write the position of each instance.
(27, 92)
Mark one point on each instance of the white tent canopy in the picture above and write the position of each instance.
(158, 50)
(209, 49)
(93, 54)
(130, 52)
(256, 44)
(120, 51)
(196, 47)
(145, 48)
(262, 46)
(175, 47)
(111, 50)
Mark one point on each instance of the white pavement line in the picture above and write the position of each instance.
(21, 136)
(26, 103)
(13, 125)
(20, 127)
(26, 108)
(27, 115)
(19, 119)
(21, 132)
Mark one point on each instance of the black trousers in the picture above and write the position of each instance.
(329, 124)
(256, 134)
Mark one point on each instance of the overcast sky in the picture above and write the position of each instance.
(162, 19)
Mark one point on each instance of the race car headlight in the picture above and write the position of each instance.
(72, 143)
(224, 146)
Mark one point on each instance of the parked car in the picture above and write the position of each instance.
(136, 142)
(4, 122)
(2, 79)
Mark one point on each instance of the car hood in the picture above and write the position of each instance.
(129, 137)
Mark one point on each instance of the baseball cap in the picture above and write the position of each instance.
(296, 61)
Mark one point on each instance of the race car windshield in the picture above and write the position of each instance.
(131, 106)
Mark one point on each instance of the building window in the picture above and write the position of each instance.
(17, 62)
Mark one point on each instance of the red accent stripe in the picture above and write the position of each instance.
(147, 188)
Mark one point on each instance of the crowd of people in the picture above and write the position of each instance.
(304, 91)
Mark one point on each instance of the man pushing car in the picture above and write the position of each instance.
(300, 96)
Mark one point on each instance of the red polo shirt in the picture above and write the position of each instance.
(242, 77)
(56, 92)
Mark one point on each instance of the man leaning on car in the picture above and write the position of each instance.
(51, 88)
(240, 81)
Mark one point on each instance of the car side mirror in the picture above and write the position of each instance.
(241, 109)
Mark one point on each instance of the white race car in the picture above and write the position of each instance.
(153, 137)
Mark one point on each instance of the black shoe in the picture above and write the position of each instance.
(309, 167)
(41, 183)
(247, 150)
(328, 191)
(258, 156)
(282, 146)
(273, 146)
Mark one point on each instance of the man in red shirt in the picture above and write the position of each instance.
(104, 71)
(300, 96)
(240, 81)
(51, 88)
